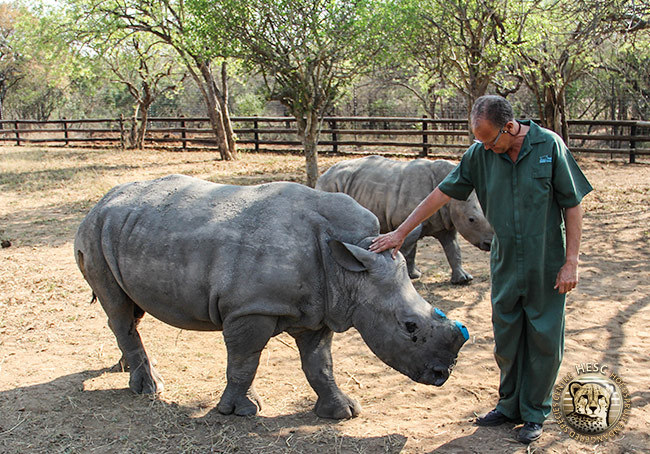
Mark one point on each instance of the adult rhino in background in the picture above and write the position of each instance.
(254, 262)
(392, 189)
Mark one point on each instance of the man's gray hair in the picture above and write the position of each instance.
(495, 109)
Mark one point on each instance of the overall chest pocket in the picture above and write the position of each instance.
(540, 187)
(542, 171)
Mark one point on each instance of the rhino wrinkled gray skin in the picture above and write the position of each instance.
(254, 262)
(392, 189)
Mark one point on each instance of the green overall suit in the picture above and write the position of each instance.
(524, 202)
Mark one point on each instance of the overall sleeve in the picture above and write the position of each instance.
(569, 183)
(459, 183)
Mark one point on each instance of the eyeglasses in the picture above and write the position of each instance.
(494, 142)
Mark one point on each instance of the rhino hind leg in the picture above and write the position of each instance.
(123, 317)
(245, 339)
(449, 241)
(414, 271)
(123, 365)
(316, 355)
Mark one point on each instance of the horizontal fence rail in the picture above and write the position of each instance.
(346, 135)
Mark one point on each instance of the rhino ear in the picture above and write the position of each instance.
(351, 257)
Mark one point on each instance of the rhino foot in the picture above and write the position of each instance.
(242, 405)
(145, 380)
(338, 407)
(415, 273)
(461, 278)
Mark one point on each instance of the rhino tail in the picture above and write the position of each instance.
(82, 268)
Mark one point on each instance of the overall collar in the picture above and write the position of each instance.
(533, 136)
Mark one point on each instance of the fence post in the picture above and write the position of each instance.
(65, 132)
(633, 144)
(17, 133)
(256, 135)
(425, 138)
(122, 140)
(183, 133)
(335, 145)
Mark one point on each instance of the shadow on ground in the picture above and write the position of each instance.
(61, 416)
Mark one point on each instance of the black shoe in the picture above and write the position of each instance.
(493, 418)
(530, 432)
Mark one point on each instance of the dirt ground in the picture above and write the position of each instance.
(57, 394)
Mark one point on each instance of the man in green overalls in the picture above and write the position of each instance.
(530, 189)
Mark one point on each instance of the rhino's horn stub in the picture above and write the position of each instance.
(439, 312)
(462, 329)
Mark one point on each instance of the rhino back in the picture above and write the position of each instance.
(390, 189)
(193, 253)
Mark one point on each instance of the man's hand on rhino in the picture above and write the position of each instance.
(386, 241)
(567, 278)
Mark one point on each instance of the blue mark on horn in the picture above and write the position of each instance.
(439, 312)
(462, 329)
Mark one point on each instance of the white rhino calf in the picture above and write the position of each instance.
(254, 262)
(392, 189)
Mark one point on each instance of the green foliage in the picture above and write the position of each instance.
(557, 53)
(48, 67)
(577, 58)
(453, 43)
(249, 103)
(306, 50)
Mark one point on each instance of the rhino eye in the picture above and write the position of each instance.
(471, 219)
(410, 326)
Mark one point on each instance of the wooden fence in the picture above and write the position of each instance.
(345, 135)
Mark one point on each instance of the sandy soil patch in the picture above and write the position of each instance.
(58, 395)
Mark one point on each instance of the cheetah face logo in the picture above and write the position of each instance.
(591, 399)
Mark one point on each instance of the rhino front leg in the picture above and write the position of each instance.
(409, 255)
(316, 355)
(245, 339)
(449, 241)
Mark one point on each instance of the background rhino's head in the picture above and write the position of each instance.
(398, 325)
(468, 218)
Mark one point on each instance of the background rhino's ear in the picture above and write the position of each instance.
(411, 239)
(351, 257)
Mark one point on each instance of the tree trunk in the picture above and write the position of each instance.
(223, 100)
(133, 133)
(470, 130)
(3, 94)
(477, 87)
(555, 111)
(308, 131)
(215, 113)
(430, 102)
(142, 127)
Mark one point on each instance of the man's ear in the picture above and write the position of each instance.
(351, 257)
